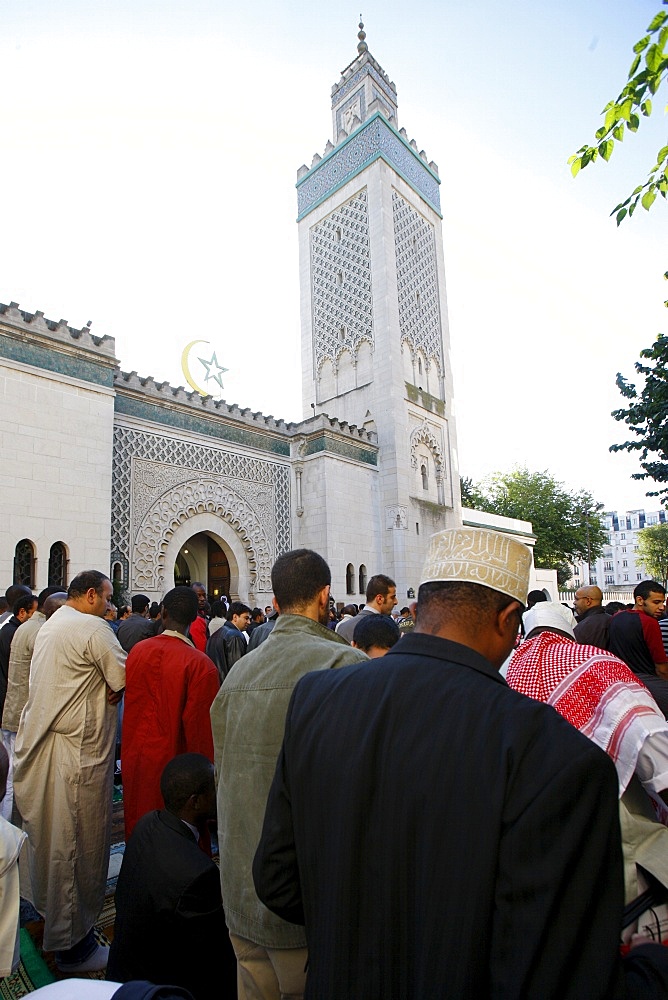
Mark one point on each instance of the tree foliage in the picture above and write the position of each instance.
(471, 496)
(653, 551)
(648, 71)
(647, 415)
(567, 525)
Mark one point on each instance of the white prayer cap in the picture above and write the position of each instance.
(549, 614)
(477, 555)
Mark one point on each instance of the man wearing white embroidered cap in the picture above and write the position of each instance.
(436, 832)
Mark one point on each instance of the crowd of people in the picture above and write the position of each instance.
(391, 817)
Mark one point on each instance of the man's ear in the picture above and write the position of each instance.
(323, 597)
(274, 604)
(507, 619)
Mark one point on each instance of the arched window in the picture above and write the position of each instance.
(350, 579)
(425, 477)
(362, 580)
(24, 563)
(58, 565)
(116, 573)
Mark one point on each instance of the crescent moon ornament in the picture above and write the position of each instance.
(186, 369)
(214, 370)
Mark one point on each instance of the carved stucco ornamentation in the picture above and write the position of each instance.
(170, 461)
(417, 282)
(396, 517)
(176, 506)
(151, 479)
(424, 435)
(341, 282)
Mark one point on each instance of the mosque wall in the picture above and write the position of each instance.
(339, 517)
(57, 404)
(56, 469)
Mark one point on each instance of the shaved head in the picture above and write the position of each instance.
(587, 598)
(53, 602)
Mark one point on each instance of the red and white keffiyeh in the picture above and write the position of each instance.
(594, 690)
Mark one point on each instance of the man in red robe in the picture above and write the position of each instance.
(169, 689)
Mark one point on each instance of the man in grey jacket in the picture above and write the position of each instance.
(247, 719)
(381, 598)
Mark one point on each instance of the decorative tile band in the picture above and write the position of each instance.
(218, 429)
(367, 70)
(330, 444)
(374, 139)
(53, 360)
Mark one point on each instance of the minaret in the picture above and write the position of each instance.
(375, 342)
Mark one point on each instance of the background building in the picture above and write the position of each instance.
(616, 567)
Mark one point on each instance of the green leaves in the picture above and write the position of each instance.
(653, 551)
(606, 148)
(645, 414)
(624, 113)
(559, 517)
(658, 20)
(649, 198)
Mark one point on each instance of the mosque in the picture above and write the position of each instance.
(108, 469)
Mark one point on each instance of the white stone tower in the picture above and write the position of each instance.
(375, 342)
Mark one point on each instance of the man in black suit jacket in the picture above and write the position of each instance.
(438, 834)
(170, 925)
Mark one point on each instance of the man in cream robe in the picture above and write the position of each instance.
(11, 842)
(64, 768)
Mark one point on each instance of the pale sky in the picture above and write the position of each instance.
(150, 156)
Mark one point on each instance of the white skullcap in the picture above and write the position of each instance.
(477, 555)
(549, 614)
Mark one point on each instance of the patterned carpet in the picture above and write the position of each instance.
(38, 968)
(31, 973)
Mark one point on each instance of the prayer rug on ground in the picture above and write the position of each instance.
(23, 982)
(30, 975)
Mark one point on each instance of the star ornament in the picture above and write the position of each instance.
(214, 371)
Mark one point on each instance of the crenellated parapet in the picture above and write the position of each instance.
(337, 438)
(32, 339)
(149, 388)
(36, 324)
(142, 398)
(374, 139)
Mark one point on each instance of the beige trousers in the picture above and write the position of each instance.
(269, 973)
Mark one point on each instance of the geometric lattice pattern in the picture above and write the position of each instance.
(341, 275)
(207, 458)
(419, 314)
